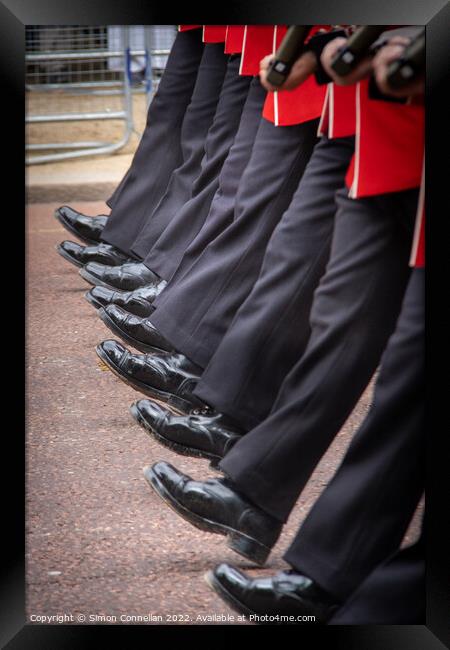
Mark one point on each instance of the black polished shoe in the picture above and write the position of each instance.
(196, 435)
(127, 277)
(215, 506)
(285, 594)
(88, 229)
(162, 376)
(101, 253)
(138, 302)
(136, 331)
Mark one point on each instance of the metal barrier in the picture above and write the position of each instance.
(80, 80)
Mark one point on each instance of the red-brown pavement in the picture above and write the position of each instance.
(99, 540)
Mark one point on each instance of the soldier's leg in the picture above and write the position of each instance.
(186, 223)
(222, 206)
(342, 555)
(221, 212)
(271, 328)
(196, 123)
(167, 251)
(354, 312)
(195, 311)
(393, 594)
(361, 517)
(177, 123)
(110, 202)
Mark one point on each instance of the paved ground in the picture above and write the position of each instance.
(91, 178)
(99, 541)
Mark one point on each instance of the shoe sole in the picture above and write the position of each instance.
(68, 257)
(73, 231)
(142, 347)
(246, 546)
(177, 447)
(225, 595)
(91, 300)
(172, 402)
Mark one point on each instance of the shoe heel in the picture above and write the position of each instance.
(249, 548)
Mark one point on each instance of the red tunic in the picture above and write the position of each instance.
(185, 28)
(288, 107)
(339, 112)
(258, 41)
(234, 39)
(418, 247)
(214, 33)
(389, 146)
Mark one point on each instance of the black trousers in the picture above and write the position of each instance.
(166, 253)
(221, 212)
(354, 312)
(393, 594)
(111, 201)
(361, 517)
(271, 328)
(196, 123)
(159, 151)
(196, 312)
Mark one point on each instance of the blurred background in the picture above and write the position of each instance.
(87, 93)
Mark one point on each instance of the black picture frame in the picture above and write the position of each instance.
(15, 633)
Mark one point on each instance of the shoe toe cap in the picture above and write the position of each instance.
(117, 314)
(102, 295)
(112, 350)
(153, 414)
(72, 248)
(230, 578)
(164, 473)
(67, 214)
